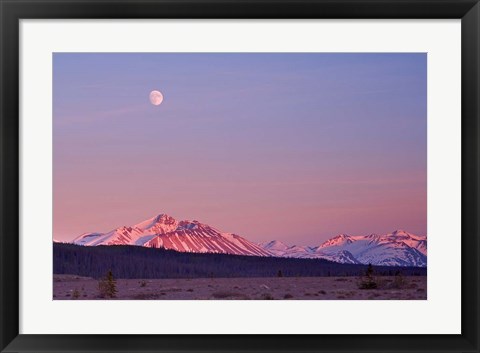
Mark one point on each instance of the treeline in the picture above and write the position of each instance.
(139, 262)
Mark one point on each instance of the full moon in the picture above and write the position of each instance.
(156, 97)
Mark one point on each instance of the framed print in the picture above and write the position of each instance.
(234, 176)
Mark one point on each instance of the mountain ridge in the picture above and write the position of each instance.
(398, 248)
(163, 231)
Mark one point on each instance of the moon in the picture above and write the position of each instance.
(156, 97)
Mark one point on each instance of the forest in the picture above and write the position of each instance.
(126, 261)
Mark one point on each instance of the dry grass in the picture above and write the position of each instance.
(229, 295)
(279, 288)
(266, 296)
(147, 296)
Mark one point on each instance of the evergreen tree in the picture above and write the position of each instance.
(108, 286)
(368, 282)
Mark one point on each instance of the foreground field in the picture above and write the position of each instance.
(67, 287)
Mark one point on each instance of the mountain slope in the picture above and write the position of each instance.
(163, 231)
(398, 248)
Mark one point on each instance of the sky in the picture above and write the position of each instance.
(296, 147)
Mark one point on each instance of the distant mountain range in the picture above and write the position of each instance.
(398, 248)
(394, 249)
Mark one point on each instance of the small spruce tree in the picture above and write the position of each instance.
(368, 281)
(369, 270)
(108, 286)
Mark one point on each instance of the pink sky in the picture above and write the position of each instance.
(293, 147)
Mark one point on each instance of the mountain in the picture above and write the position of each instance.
(275, 247)
(163, 231)
(398, 248)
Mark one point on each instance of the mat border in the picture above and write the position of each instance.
(11, 11)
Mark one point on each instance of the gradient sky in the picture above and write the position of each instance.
(288, 146)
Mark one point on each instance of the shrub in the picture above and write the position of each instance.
(76, 294)
(399, 281)
(107, 286)
(267, 296)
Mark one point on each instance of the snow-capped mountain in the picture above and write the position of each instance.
(275, 247)
(398, 248)
(163, 231)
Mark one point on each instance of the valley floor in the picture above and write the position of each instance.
(68, 287)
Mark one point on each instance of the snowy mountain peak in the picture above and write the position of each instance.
(400, 232)
(163, 231)
(274, 245)
(337, 240)
(189, 225)
(159, 224)
(160, 219)
(398, 248)
(404, 234)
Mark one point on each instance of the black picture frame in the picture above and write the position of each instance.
(14, 10)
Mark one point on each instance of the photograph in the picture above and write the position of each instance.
(239, 176)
